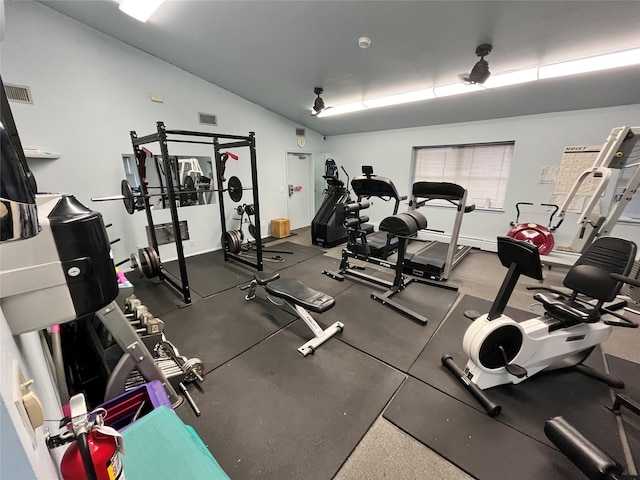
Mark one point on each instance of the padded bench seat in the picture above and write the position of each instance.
(295, 291)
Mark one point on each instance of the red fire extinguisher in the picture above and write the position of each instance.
(94, 453)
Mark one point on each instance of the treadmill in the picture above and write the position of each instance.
(368, 185)
(437, 259)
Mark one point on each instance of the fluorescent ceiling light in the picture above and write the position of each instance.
(591, 64)
(572, 67)
(512, 78)
(456, 89)
(339, 110)
(140, 9)
(409, 97)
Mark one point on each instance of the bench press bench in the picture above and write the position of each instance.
(296, 298)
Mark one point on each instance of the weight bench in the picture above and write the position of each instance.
(296, 298)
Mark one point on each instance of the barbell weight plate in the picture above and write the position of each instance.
(249, 209)
(235, 189)
(252, 230)
(191, 367)
(145, 261)
(240, 209)
(237, 241)
(128, 198)
(135, 264)
(190, 186)
(154, 260)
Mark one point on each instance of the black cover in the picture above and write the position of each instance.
(439, 190)
(84, 251)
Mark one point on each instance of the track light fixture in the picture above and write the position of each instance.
(318, 105)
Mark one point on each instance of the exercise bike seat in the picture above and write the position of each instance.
(567, 311)
(298, 293)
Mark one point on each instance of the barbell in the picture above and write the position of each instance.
(129, 198)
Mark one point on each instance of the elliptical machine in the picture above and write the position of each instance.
(327, 229)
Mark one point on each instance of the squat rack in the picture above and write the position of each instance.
(163, 137)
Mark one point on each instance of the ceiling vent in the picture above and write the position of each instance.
(208, 119)
(18, 93)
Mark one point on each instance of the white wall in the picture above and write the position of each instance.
(90, 90)
(539, 141)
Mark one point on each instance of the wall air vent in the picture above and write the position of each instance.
(300, 132)
(208, 118)
(18, 93)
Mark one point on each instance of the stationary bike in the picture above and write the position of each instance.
(503, 351)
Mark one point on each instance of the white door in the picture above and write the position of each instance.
(299, 189)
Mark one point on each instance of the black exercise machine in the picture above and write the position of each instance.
(503, 351)
(296, 297)
(366, 186)
(437, 259)
(327, 229)
(400, 227)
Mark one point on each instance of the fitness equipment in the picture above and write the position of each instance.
(327, 229)
(131, 197)
(503, 351)
(534, 233)
(147, 262)
(234, 238)
(234, 187)
(592, 460)
(65, 271)
(437, 259)
(365, 186)
(295, 297)
(615, 154)
(402, 227)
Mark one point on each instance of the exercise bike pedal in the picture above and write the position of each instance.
(472, 314)
(512, 368)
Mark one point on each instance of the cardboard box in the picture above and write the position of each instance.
(280, 227)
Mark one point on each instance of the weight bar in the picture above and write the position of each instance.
(130, 199)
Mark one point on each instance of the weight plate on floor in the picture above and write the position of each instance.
(154, 261)
(145, 261)
(235, 189)
(135, 264)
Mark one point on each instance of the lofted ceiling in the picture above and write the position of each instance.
(274, 53)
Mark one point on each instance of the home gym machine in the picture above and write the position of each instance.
(401, 227)
(366, 186)
(295, 297)
(503, 351)
(437, 259)
(619, 152)
(148, 259)
(327, 229)
(56, 262)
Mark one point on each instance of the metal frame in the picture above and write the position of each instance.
(163, 137)
(455, 252)
(591, 223)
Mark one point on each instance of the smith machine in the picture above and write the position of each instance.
(147, 260)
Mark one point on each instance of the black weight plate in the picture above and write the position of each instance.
(252, 230)
(128, 199)
(154, 260)
(249, 209)
(145, 262)
(190, 187)
(240, 210)
(235, 189)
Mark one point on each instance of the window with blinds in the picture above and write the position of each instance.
(483, 169)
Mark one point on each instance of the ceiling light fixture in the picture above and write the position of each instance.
(140, 9)
(339, 110)
(591, 64)
(401, 98)
(624, 58)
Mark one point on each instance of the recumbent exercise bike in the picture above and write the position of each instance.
(503, 351)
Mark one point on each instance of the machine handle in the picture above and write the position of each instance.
(513, 224)
(491, 407)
